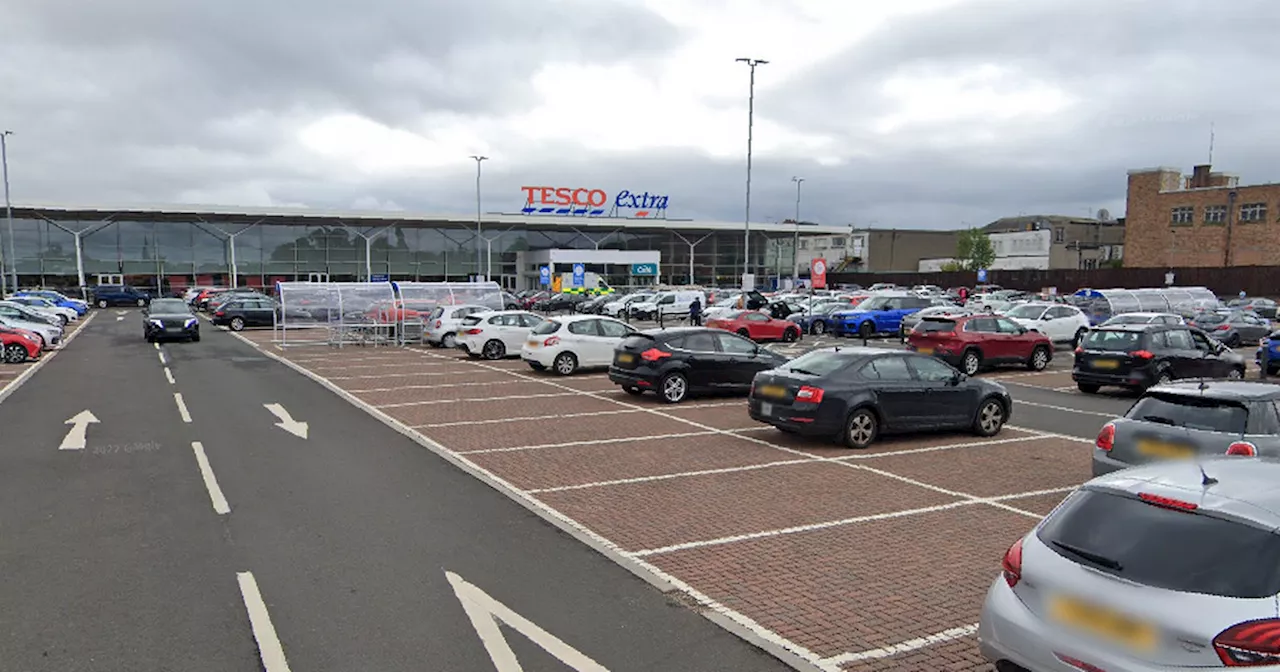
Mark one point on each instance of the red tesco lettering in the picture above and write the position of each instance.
(594, 198)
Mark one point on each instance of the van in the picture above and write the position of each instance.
(673, 303)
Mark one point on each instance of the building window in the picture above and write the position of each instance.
(1059, 234)
(1253, 212)
(837, 243)
(804, 244)
(1182, 215)
(1215, 214)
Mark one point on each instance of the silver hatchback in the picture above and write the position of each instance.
(1169, 566)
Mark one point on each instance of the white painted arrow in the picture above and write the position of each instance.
(287, 423)
(79, 434)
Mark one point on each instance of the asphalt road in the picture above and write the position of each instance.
(119, 556)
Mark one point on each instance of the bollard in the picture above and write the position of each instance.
(1266, 358)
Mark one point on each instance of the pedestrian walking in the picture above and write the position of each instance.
(695, 312)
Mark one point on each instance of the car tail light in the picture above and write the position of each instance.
(1167, 502)
(473, 332)
(439, 324)
(1106, 437)
(1222, 327)
(654, 354)
(551, 341)
(1078, 664)
(812, 395)
(1243, 449)
(1142, 354)
(1250, 643)
(220, 313)
(1079, 350)
(1011, 565)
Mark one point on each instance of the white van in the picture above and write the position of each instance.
(672, 304)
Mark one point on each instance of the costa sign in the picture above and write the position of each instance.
(589, 202)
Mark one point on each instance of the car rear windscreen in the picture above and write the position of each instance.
(636, 341)
(1119, 341)
(1178, 550)
(1210, 318)
(818, 363)
(1191, 412)
(931, 325)
(470, 320)
(546, 327)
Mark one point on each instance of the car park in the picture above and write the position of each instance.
(757, 326)
(18, 317)
(557, 303)
(567, 344)
(1139, 356)
(119, 295)
(616, 306)
(1156, 568)
(22, 311)
(1183, 420)
(667, 304)
(880, 314)
(1262, 306)
(495, 334)
(1270, 346)
(1062, 324)
(909, 322)
(170, 319)
(821, 319)
(857, 394)
(681, 361)
(972, 343)
(1144, 318)
(44, 306)
(1234, 328)
(442, 324)
(19, 345)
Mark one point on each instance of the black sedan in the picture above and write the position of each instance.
(858, 394)
(170, 319)
(677, 362)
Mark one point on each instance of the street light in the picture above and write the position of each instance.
(479, 239)
(751, 110)
(795, 247)
(8, 206)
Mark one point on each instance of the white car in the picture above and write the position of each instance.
(1144, 318)
(566, 344)
(44, 306)
(616, 308)
(495, 334)
(50, 334)
(442, 324)
(1061, 323)
(674, 304)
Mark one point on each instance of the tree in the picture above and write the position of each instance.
(952, 266)
(974, 250)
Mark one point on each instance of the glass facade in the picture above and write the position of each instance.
(169, 252)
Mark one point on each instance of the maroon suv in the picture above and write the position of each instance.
(979, 341)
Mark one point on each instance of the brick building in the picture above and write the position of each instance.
(1205, 219)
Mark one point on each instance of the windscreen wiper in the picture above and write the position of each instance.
(806, 372)
(1160, 419)
(1100, 560)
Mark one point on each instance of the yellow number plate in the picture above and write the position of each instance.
(925, 351)
(626, 357)
(1105, 363)
(1104, 623)
(773, 391)
(533, 344)
(1165, 450)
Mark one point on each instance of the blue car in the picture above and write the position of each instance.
(822, 320)
(58, 299)
(1272, 345)
(880, 314)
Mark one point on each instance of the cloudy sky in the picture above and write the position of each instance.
(910, 114)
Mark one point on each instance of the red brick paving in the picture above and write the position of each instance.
(497, 408)
(421, 390)
(859, 587)
(1041, 504)
(575, 465)
(653, 514)
(720, 417)
(820, 447)
(988, 471)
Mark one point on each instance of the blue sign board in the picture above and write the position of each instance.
(579, 275)
(644, 269)
(380, 278)
(544, 275)
(982, 275)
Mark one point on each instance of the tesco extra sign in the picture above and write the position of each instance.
(590, 202)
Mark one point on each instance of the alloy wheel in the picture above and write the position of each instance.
(449, 340)
(566, 363)
(1235, 374)
(494, 350)
(971, 363)
(991, 417)
(819, 328)
(15, 353)
(862, 429)
(1039, 359)
(237, 324)
(674, 388)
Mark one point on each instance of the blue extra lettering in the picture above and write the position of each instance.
(643, 201)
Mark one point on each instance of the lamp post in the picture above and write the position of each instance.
(795, 246)
(479, 238)
(751, 110)
(8, 208)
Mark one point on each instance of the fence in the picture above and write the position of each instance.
(368, 313)
(1255, 280)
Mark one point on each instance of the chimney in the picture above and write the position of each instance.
(1200, 176)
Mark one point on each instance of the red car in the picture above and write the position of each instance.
(757, 326)
(979, 341)
(18, 345)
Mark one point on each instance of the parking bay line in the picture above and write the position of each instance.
(415, 375)
(591, 442)
(903, 647)
(431, 402)
(182, 407)
(168, 375)
(264, 633)
(13, 385)
(1065, 409)
(468, 423)
(216, 497)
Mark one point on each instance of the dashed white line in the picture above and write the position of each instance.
(163, 360)
(269, 648)
(155, 345)
(182, 407)
(168, 375)
(216, 497)
(1065, 409)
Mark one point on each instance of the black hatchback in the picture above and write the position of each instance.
(857, 394)
(677, 362)
(1137, 356)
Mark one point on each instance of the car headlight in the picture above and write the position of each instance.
(157, 323)
(29, 337)
(191, 322)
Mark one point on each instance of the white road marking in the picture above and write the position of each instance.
(210, 481)
(163, 360)
(269, 648)
(432, 402)
(415, 375)
(182, 407)
(485, 613)
(23, 377)
(591, 442)
(287, 423)
(668, 477)
(410, 387)
(156, 345)
(949, 446)
(1065, 409)
(77, 437)
(119, 319)
(904, 647)
(168, 375)
(386, 363)
(522, 418)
